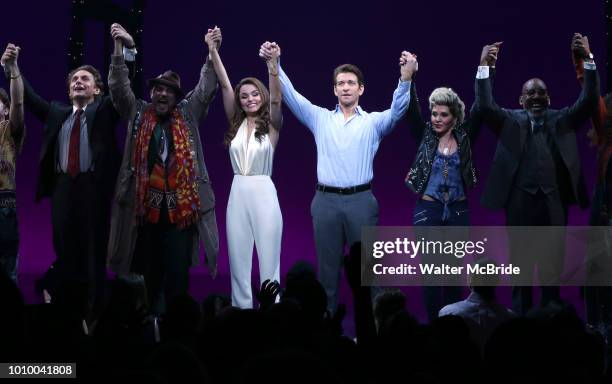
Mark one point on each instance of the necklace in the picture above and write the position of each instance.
(445, 169)
(445, 152)
(446, 148)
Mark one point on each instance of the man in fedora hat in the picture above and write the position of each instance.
(164, 204)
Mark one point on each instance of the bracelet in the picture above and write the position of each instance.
(273, 74)
(15, 77)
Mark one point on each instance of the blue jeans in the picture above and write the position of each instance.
(9, 241)
(430, 213)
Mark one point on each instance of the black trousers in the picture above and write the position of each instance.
(598, 299)
(80, 218)
(539, 209)
(163, 256)
(9, 241)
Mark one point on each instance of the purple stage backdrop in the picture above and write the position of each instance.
(315, 37)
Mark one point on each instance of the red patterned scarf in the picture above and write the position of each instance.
(181, 190)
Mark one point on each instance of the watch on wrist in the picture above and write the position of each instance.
(590, 57)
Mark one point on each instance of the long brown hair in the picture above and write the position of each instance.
(262, 120)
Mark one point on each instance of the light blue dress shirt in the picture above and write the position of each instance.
(345, 148)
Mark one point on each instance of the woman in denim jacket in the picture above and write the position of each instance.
(442, 172)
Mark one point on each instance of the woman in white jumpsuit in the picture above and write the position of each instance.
(253, 212)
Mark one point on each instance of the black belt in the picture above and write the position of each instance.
(60, 173)
(344, 191)
(8, 200)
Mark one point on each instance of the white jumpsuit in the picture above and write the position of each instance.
(253, 215)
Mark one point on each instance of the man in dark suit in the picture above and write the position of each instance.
(79, 161)
(536, 174)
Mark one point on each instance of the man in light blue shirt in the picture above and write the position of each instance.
(347, 139)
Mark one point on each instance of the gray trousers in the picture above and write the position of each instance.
(337, 221)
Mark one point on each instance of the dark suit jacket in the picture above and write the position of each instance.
(101, 119)
(512, 129)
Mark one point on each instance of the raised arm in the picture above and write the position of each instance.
(485, 105)
(213, 40)
(276, 98)
(473, 123)
(599, 115)
(385, 121)
(414, 116)
(121, 93)
(304, 110)
(474, 120)
(9, 61)
(202, 95)
(36, 104)
(586, 104)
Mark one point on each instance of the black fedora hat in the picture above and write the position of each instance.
(171, 80)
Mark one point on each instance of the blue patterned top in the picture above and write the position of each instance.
(446, 188)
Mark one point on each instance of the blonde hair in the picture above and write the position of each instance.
(448, 97)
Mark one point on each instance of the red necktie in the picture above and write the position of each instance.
(75, 146)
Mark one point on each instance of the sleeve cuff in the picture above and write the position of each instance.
(590, 66)
(117, 60)
(483, 72)
(129, 53)
(404, 86)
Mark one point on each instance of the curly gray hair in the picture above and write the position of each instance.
(448, 97)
